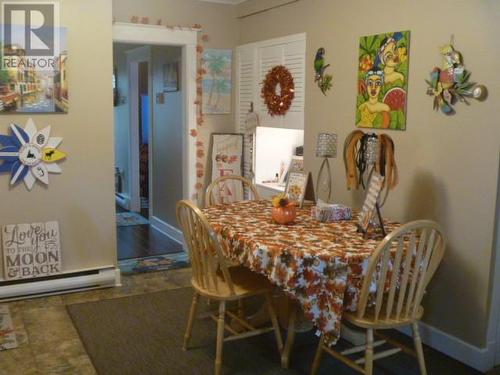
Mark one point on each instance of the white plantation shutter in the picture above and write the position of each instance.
(295, 60)
(268, 58)
(288, 51)
(245, 68)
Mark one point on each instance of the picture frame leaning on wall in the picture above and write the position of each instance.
(370, 205)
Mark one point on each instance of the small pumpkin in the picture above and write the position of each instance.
(283, 211)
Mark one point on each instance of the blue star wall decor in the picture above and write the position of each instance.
(29, 154)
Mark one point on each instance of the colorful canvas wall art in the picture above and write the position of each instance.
(26, 87)
(217, 81)
(383, 80)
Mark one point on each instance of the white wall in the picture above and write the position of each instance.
(274, 147)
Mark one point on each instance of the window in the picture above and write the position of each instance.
(277, 137)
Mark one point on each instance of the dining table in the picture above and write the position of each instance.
(320, 265)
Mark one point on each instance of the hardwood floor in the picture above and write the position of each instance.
(138, 241)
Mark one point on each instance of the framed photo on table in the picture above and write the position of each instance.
(299, 186)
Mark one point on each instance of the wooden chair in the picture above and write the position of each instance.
(213, 279)
(213, 197)
(416, 249)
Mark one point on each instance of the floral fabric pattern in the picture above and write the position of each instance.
(318, 264)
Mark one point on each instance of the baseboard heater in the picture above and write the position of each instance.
(58, 284)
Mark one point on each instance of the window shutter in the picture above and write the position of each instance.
(294, 60)
(253, 62)
(268, 57)
(245, 70)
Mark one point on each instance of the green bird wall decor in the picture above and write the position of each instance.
(324, 81)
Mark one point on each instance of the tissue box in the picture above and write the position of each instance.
(331, 212)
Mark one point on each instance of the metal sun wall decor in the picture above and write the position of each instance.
(29, 154)
(451, 83)
(323, 80)
(383, 80)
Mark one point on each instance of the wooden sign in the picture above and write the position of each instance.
(370, 203)
(31, 250)
(227, 159)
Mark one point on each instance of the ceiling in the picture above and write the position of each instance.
(233, 2)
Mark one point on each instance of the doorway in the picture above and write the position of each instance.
(159, 132)
(148, 116)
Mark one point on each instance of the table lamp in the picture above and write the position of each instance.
(326, 147)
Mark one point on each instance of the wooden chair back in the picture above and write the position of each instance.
(205, 252)
(401, 267)
(213, 194)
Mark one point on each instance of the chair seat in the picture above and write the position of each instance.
(245, 283)
(368, 321)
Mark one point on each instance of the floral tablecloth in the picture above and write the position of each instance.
(319, 264)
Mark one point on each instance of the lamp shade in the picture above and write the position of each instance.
(326, 147)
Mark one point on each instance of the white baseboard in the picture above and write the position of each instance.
(482, 359)
(63, 283)
(167, 229)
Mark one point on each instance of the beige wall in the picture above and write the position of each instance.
(82, 197)
(448, 165)
(217, 20)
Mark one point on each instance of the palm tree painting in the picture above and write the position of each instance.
(217, 81)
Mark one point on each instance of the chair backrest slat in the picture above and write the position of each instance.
(213, 194)
(424, 267)
(394, 278)
(406, 273)
(414, 276)
(205, 251)
(407, 259)
(381, 280)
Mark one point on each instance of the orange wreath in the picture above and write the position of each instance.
(278, 104)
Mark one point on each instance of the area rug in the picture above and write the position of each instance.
(143, 335)
(154, 263)
(124, 219)
(8, 338)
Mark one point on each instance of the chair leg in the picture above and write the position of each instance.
(418, 347)
(369, 352)
(290, 338)
(317, 357)
(274, 320)
(192, 313)
(220, 337)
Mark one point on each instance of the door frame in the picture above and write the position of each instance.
(493, 333)
(134, 58)
(187, 39)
